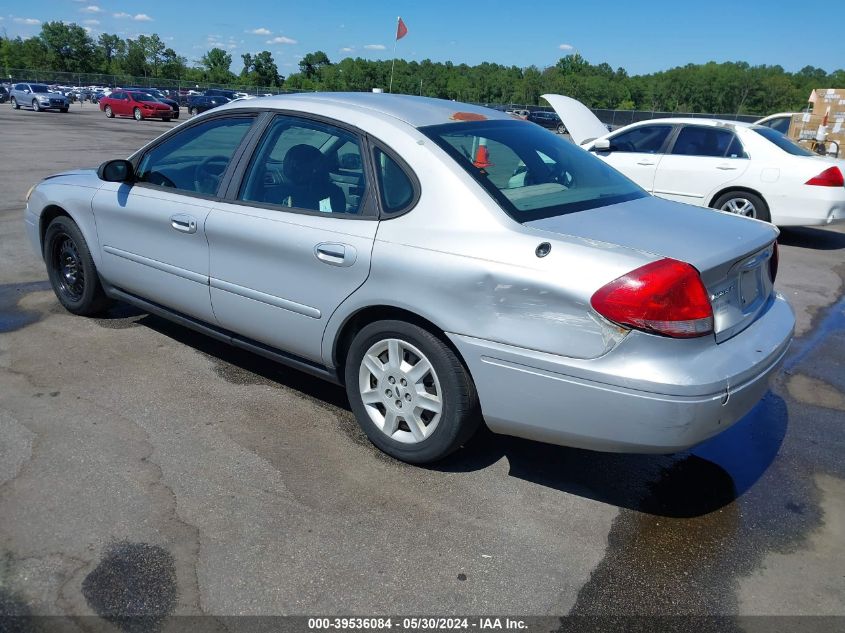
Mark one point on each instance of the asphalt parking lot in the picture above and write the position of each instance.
(143, 466)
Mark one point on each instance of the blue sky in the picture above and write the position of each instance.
(642, 37)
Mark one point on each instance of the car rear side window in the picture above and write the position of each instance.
(306, 165)
(783, 142)
(695, 140)
(395, 186)
(645, 139)
(532, 173)
(195, 159)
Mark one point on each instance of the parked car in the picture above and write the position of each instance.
(548, 120)
(139, 105)
(4, 94)
(158, 94)
(231, 95)
(779, 122)
(355, 237)
(743, 168)
(37, 96)
(201, 103)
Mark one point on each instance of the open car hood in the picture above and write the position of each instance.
(580, 122)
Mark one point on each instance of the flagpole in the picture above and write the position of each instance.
(393, 65)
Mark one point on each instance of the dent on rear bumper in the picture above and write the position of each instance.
(676, 402)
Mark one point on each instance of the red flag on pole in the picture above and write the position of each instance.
(401, 30)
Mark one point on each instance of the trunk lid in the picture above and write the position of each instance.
(731, 253)
(581, 124)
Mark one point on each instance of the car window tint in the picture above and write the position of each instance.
(646, 139)
(783, 142)
(306, 165)
(196, 158)
(395, 186)
(735, 149)
(532, 174)
(694, 140)
(781, 124)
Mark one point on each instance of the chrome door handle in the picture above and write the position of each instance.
(335, 254)
(646, 163)
(184, 223)
(725, 167)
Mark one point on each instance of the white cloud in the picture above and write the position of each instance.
(91, 22)
(91, 8)
(347, 49)
(142, 17)
(566, 47)
(260, 31)
(121, 15)
(282, 40)
(375, 47)
(29, 21)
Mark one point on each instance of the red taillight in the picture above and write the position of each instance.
(830, 177)
(773, 262)
(665, 297)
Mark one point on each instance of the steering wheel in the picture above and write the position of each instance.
(208, 173)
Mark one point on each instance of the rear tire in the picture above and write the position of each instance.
(109, 112)
(743, 203)
(192, 111)
(65, 110)
(71, 269)
(15, 104)
(421, 403)
(561, 129)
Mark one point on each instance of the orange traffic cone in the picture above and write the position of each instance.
(482, 155)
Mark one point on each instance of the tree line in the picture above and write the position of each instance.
(723, 88)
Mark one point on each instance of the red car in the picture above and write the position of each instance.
(135, 104)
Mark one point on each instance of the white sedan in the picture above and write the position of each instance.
(741, 168)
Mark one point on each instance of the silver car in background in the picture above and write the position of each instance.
(383, 242)
(38, 97)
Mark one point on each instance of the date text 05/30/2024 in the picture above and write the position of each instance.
(416, 623)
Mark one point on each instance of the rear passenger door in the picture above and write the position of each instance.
(295, 236)
(637, 152)
(702, 160)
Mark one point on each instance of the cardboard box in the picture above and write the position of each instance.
(806, 128)
(832, 99)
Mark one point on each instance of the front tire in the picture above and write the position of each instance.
(743, 203)
(71, 269)
(137, 114)
(192, 111)
(561, 129)
(65, 110)
(35, 105)
(410, 392)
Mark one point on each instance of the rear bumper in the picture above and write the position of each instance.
(648, 395)
(819, 207)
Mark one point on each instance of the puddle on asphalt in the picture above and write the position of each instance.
(12, 316)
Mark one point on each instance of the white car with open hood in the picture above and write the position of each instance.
(737, 167)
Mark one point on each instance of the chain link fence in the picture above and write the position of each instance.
(84, 80)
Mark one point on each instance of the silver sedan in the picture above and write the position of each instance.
(447, 263)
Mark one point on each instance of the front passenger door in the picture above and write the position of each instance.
(152, 231)
(637, 152)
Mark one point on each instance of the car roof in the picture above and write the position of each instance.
(697, 121)
(414, 110)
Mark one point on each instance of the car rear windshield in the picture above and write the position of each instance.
(784, 142)
(531, 172)
(39, 88)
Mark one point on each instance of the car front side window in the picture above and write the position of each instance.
(645, 139)
(195, 159)
(306, 165)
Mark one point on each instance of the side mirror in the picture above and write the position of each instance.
(602, 145)
(118, 170)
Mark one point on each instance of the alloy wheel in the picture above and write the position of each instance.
(400, 391)
(740, 206)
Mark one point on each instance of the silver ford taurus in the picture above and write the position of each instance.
(447, 263)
